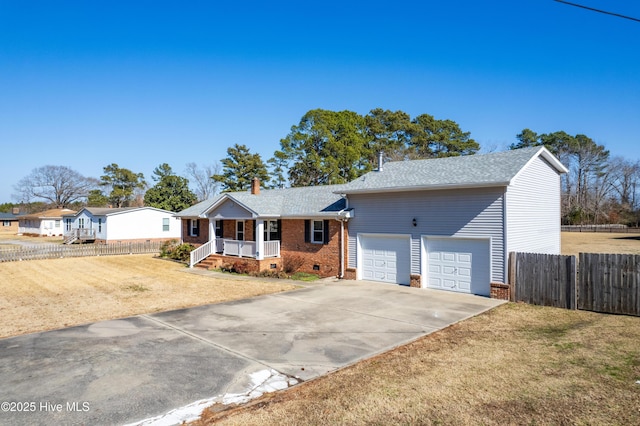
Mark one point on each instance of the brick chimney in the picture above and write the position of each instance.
(255, 186)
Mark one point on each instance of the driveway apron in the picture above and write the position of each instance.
(150, 369)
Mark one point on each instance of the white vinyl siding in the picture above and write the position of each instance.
(140, 224)
(230, 209)
(535, 189)
(461, 213)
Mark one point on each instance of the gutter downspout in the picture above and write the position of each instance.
(342, 221)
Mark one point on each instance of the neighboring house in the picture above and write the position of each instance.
(295, 228)
(107, 225)
(44, 224)
(450, 223)
(9, 223)
(446, 223)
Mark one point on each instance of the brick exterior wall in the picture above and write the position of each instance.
(415, 281)
(321, 259)
(200, 239)
(12, 228)
(500, 291)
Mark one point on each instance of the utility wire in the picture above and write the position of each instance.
(598, 10)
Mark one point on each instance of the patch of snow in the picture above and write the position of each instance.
(263, 381)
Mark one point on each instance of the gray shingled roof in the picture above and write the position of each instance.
(312, 201)
(106, 211)
(495, 169)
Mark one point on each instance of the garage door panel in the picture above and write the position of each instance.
(448, 257)
(386, 258)
(458, 264)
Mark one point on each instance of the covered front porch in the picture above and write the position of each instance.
(263, 247)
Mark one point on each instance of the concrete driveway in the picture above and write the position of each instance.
(164, 368)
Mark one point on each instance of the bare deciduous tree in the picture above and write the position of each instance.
(58, 185)
(200, 178)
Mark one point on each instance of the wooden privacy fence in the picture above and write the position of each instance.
(609, 283)
(543, 279)
(55, 251)
(597, 282)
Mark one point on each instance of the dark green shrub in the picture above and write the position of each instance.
(168, 247)
(182, 252)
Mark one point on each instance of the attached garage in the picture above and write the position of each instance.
(385, 258)
(457, 264)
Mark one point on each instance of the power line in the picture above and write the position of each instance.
(598, 10)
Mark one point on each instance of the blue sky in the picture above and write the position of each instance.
(85, 84)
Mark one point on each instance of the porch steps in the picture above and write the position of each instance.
(70, 240)
(206, 263)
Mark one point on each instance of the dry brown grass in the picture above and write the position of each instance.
(599, 242)
(517, 364)
(42, 295)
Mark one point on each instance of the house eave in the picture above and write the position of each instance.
(425, 188)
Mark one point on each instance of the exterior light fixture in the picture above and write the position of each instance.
(414, 222)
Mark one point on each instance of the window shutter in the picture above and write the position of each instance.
(326, 231)
(197, 230)
(307, 231)
(279, 231)
(255, 229)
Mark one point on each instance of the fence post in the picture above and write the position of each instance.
(572, 272)
(512, 276)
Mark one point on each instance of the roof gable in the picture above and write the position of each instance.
(312, 201)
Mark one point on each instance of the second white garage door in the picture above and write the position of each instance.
(458, 264)
(386, 258)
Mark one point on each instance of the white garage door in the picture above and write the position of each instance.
(386, 258)
(457, 264)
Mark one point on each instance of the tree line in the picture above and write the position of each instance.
(332, 147)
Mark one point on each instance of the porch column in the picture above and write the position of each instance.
(259, 239)
(212, 230)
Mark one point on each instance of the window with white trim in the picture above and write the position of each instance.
(271, 231)
(240, 230)
(317, 231)
(165, 224)
(194, 229)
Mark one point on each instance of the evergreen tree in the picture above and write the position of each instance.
(171, 192)
(122, 183)
(239, 168)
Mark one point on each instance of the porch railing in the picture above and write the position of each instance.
(248, 248)
(232, 248)
(82, 234)
(272, 249)
(201, 253)
(239, 248)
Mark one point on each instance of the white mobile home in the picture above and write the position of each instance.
(44, 224)
(106, 225)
